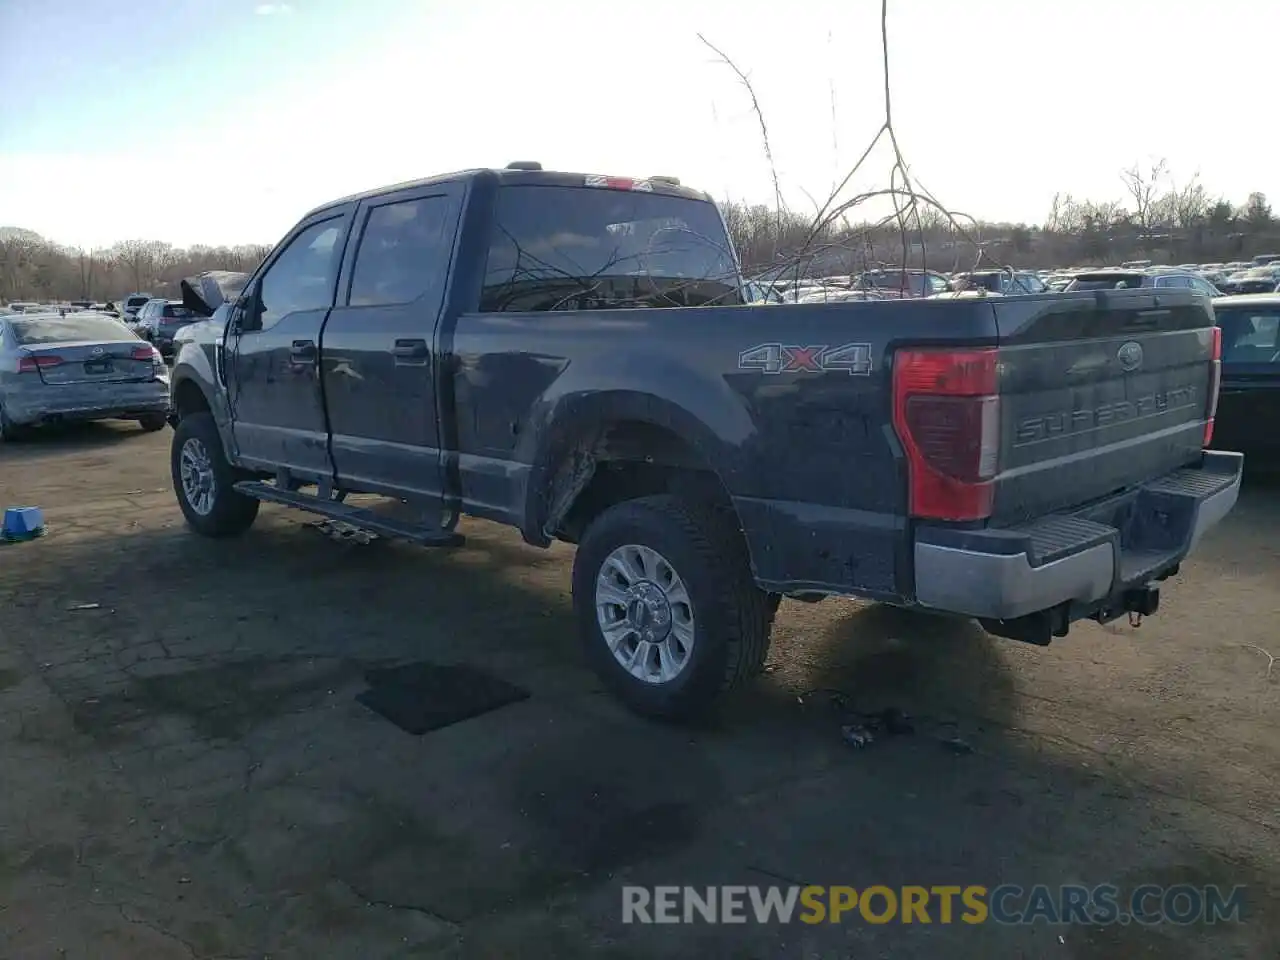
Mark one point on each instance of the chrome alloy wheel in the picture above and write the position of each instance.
(644, 613)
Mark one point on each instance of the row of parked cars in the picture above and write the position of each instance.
(155, 319)
(1212, 280)
(80, 360)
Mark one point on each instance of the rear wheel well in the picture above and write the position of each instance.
(633, 459)
(189, 399)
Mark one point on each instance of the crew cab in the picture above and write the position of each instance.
(570, 355)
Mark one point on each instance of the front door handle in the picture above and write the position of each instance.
(303, 351)
(410, 350)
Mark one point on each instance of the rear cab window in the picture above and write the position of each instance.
(176, 311)
(556, 247)
(36, 330)
(136, 302)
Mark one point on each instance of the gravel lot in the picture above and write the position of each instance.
(186, 771)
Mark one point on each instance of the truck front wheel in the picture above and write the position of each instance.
(203, 480)
(667, 608)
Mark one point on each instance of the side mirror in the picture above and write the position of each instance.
(246, 315)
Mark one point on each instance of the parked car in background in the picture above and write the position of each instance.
(754, 291)
(1249, 403)
(1133, 279)
(81, 366)
(160, 319)
(130, 305)
(901, 283)
(1255, 280)
(1007, 282)
(839, 295)
(1262, 259)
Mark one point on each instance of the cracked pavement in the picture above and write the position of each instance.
(186, 772)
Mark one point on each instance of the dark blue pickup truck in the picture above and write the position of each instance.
(570, 355)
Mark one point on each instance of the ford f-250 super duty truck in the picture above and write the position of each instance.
(570, 355)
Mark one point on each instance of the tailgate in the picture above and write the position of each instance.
(1099, 391)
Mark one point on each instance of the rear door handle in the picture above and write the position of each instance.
(410, 350)
(303, 351)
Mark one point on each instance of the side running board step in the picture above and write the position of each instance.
(370, 520)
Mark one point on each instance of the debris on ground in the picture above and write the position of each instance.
(85, 606)
(341, 531)
(956, 743)
(862, 729)
(1271, 659)
(856, 735)
(834, 698)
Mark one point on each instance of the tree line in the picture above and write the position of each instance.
(35, 268)
(1154, 216)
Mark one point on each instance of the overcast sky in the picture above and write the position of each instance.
(222, 121)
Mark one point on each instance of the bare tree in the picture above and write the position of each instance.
(86, 263)
(1145, 188)
(135, 257)
(1257, 211)
(1189, 204)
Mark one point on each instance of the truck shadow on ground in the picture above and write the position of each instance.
(57, 440)
(226, 700)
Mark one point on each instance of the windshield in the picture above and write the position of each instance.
(575, 248)
(134, 302)
(69, 329)
(176, 311)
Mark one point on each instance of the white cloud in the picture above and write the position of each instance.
(273, 9)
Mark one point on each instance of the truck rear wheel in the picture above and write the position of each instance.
(203, 480)
(667, 608)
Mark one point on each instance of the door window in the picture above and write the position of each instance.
(302, 276)
(404, 252)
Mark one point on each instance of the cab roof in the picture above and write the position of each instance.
(519, 177)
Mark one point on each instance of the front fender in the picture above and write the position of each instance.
(193, 367)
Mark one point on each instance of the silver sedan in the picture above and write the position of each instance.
(82, 366)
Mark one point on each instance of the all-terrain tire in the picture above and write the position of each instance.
(231, 513)
(732, 616)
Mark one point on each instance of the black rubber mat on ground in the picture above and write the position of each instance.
(420, 697)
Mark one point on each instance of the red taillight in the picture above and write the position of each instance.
(1215, 384)
(33, 364)
(946, 411)
(144, 353)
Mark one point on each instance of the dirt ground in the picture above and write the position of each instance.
(184, 770)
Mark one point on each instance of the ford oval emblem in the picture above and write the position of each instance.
(1130, 356)
(96, 351)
